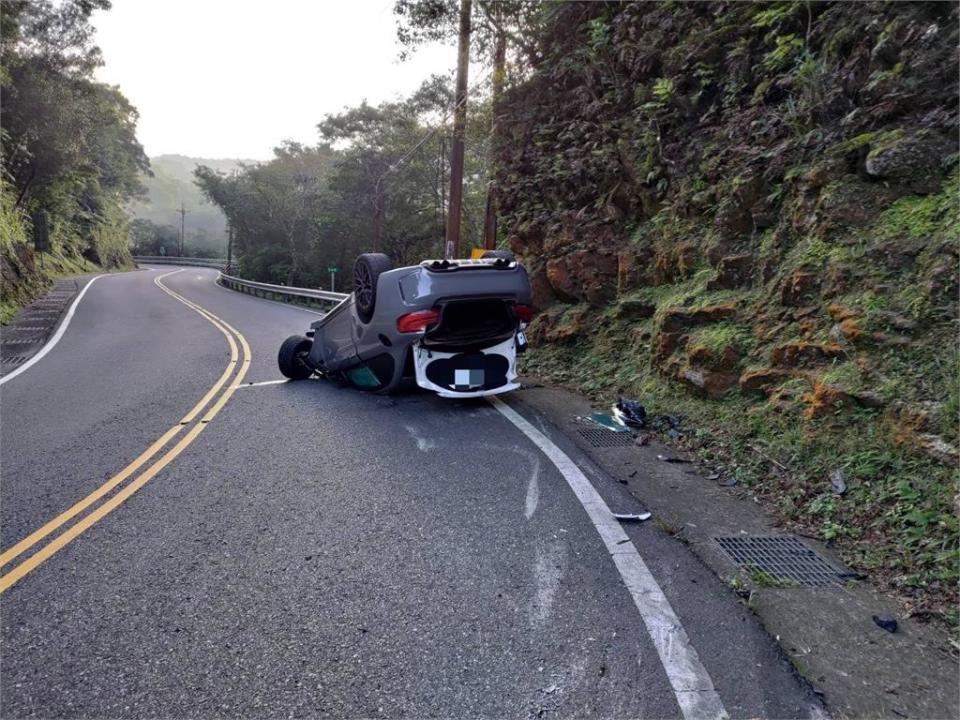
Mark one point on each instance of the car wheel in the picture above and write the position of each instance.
(292, 357)
(366, 272)
(498, 254)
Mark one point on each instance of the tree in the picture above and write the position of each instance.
(518, 22)
(277, 211)
(493, 26)
(389, 159)
(68, 143)
(148, 238)
(312, 207)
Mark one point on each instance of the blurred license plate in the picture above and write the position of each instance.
(469, 379)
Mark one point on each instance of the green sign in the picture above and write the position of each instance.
(41, 231)
(333, 269)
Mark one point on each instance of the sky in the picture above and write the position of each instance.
(233, 78)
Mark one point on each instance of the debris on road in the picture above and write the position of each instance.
(887, 622)
(667, 424)
(727, 481)
(838, 479)
(630, 412)
(632, 517)
(642, 440)
(671, 459)
(607, 421)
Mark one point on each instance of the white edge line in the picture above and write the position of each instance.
(51, 343)
(258, 384)
(689, 679)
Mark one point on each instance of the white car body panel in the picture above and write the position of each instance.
(424, 356)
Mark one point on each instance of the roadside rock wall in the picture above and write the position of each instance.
(752, 205)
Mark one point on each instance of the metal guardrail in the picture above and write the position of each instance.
(280, 293)
(218, 263)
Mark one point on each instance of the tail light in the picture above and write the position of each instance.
(417, 321)
(523, 312)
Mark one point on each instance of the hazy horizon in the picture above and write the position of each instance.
(220, 79)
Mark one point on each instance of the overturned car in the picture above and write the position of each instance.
(451, 326)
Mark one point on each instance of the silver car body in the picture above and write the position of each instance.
(473, 334)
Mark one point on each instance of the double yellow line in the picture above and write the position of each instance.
(237, 368)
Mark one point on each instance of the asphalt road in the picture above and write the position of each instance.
(316, 551)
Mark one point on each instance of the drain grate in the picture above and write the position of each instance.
(601, 438)
(13, 360)
(785, 558)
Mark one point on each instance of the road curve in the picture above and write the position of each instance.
(322, 552)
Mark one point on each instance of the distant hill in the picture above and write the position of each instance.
(171, 184)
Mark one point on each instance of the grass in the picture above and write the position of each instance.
(817, 252)
(845, 374)
(922, 217)
(761, 579)
(722, 335)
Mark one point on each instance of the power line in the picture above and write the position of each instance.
(433, 131)
(379, 210)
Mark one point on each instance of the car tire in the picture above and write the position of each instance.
(498, 254)
(292, 357)
(366, 272)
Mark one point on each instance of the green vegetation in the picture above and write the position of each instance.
(70, 154)
(761, 579)
(897, 519)
(699, 157)
(723, 335)
(924, 217)
(312, 207)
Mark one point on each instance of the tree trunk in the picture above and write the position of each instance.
(499, 67)
(459, 127)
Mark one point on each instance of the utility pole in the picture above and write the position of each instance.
(183, 214)
(443, 186)
(499, 66)
(459, 127)
(229, 248)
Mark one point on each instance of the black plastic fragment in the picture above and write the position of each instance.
(887, 622)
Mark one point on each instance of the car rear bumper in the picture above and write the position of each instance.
(490, 371)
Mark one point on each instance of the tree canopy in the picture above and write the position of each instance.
(310, 208)
(68, 142)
